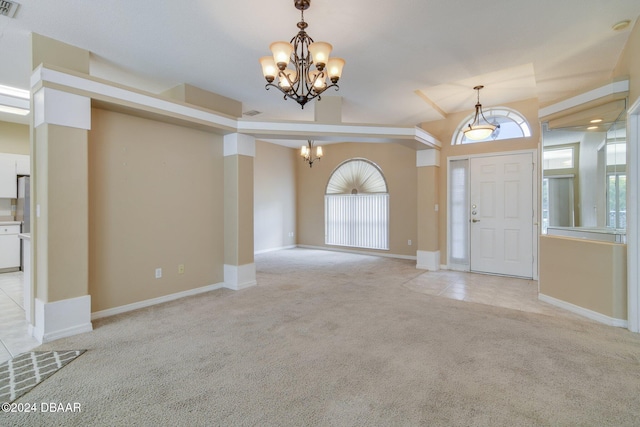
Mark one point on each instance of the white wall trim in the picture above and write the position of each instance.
(238, 143)
(153, 301)
(583, 98)
(104, 88)
(56, 107)
(93, 87)
(427, 158)
(239, 277)
(63, 318)
(264, 251)
(428, 260)
(590, 314)
(633, 216)
(353, 251)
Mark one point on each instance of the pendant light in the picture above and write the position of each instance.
(306, 152)
(480, 128)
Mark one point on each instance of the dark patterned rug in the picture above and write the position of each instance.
(25, 371)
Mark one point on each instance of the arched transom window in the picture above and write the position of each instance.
(357, 206)
(512, 125)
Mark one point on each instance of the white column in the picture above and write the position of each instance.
(239, 268)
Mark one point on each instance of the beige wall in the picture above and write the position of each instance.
(585, 273)
(444, 129)
(427, 196)
(14, 138)
(274, 196)
(62, 188)
(238, 210)
(52, 52)
(629, 63)
(155, 201)
(398, 165)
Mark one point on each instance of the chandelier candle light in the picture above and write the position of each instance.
(301, 82)
(477, 130)
(307, 153)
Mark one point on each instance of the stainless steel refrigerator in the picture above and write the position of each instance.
(23, 206)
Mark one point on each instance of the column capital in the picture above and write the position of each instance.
(239, 143)
(427, 158)
(56, 107)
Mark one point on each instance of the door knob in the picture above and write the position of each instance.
(475, 220)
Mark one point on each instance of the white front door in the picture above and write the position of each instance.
(501, 214)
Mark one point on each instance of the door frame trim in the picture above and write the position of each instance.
(633, 214)
(535, 202)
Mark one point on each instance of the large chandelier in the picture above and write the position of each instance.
(292, 64)
(478, 130)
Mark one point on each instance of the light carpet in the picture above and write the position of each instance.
(337, 339)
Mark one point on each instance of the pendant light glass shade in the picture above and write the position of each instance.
(281, 53)
(479, 132)
(320, 53)
(334, 69)
(269, 69)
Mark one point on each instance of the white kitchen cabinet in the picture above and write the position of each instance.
(9, 246)
(8, 177)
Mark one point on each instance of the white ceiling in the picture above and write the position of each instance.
(407, 61)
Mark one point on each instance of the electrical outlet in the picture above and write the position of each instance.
(181, 269)
(158, 273)
(409, 242)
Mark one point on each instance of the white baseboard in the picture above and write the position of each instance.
(153, 301)
(352, 251)
(590, 314)
(428, 260)
(60, 319)
(239, 277)
(264, 251)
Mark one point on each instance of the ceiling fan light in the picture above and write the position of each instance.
(320, 52)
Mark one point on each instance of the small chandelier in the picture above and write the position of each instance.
(478, 130)
(307, 153)
(301, 82)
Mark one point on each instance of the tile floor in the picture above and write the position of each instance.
(508, 292)
(14, 336)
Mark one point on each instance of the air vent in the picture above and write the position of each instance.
(251, 113)
(8, 8)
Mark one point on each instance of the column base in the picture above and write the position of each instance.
(428, 260)
(59, 319)
(238, 277)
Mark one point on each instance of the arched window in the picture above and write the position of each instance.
(512, 125)
(357, 206)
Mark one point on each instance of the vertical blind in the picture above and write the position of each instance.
(357, 220)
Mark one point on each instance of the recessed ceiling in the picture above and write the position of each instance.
(394, 51)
